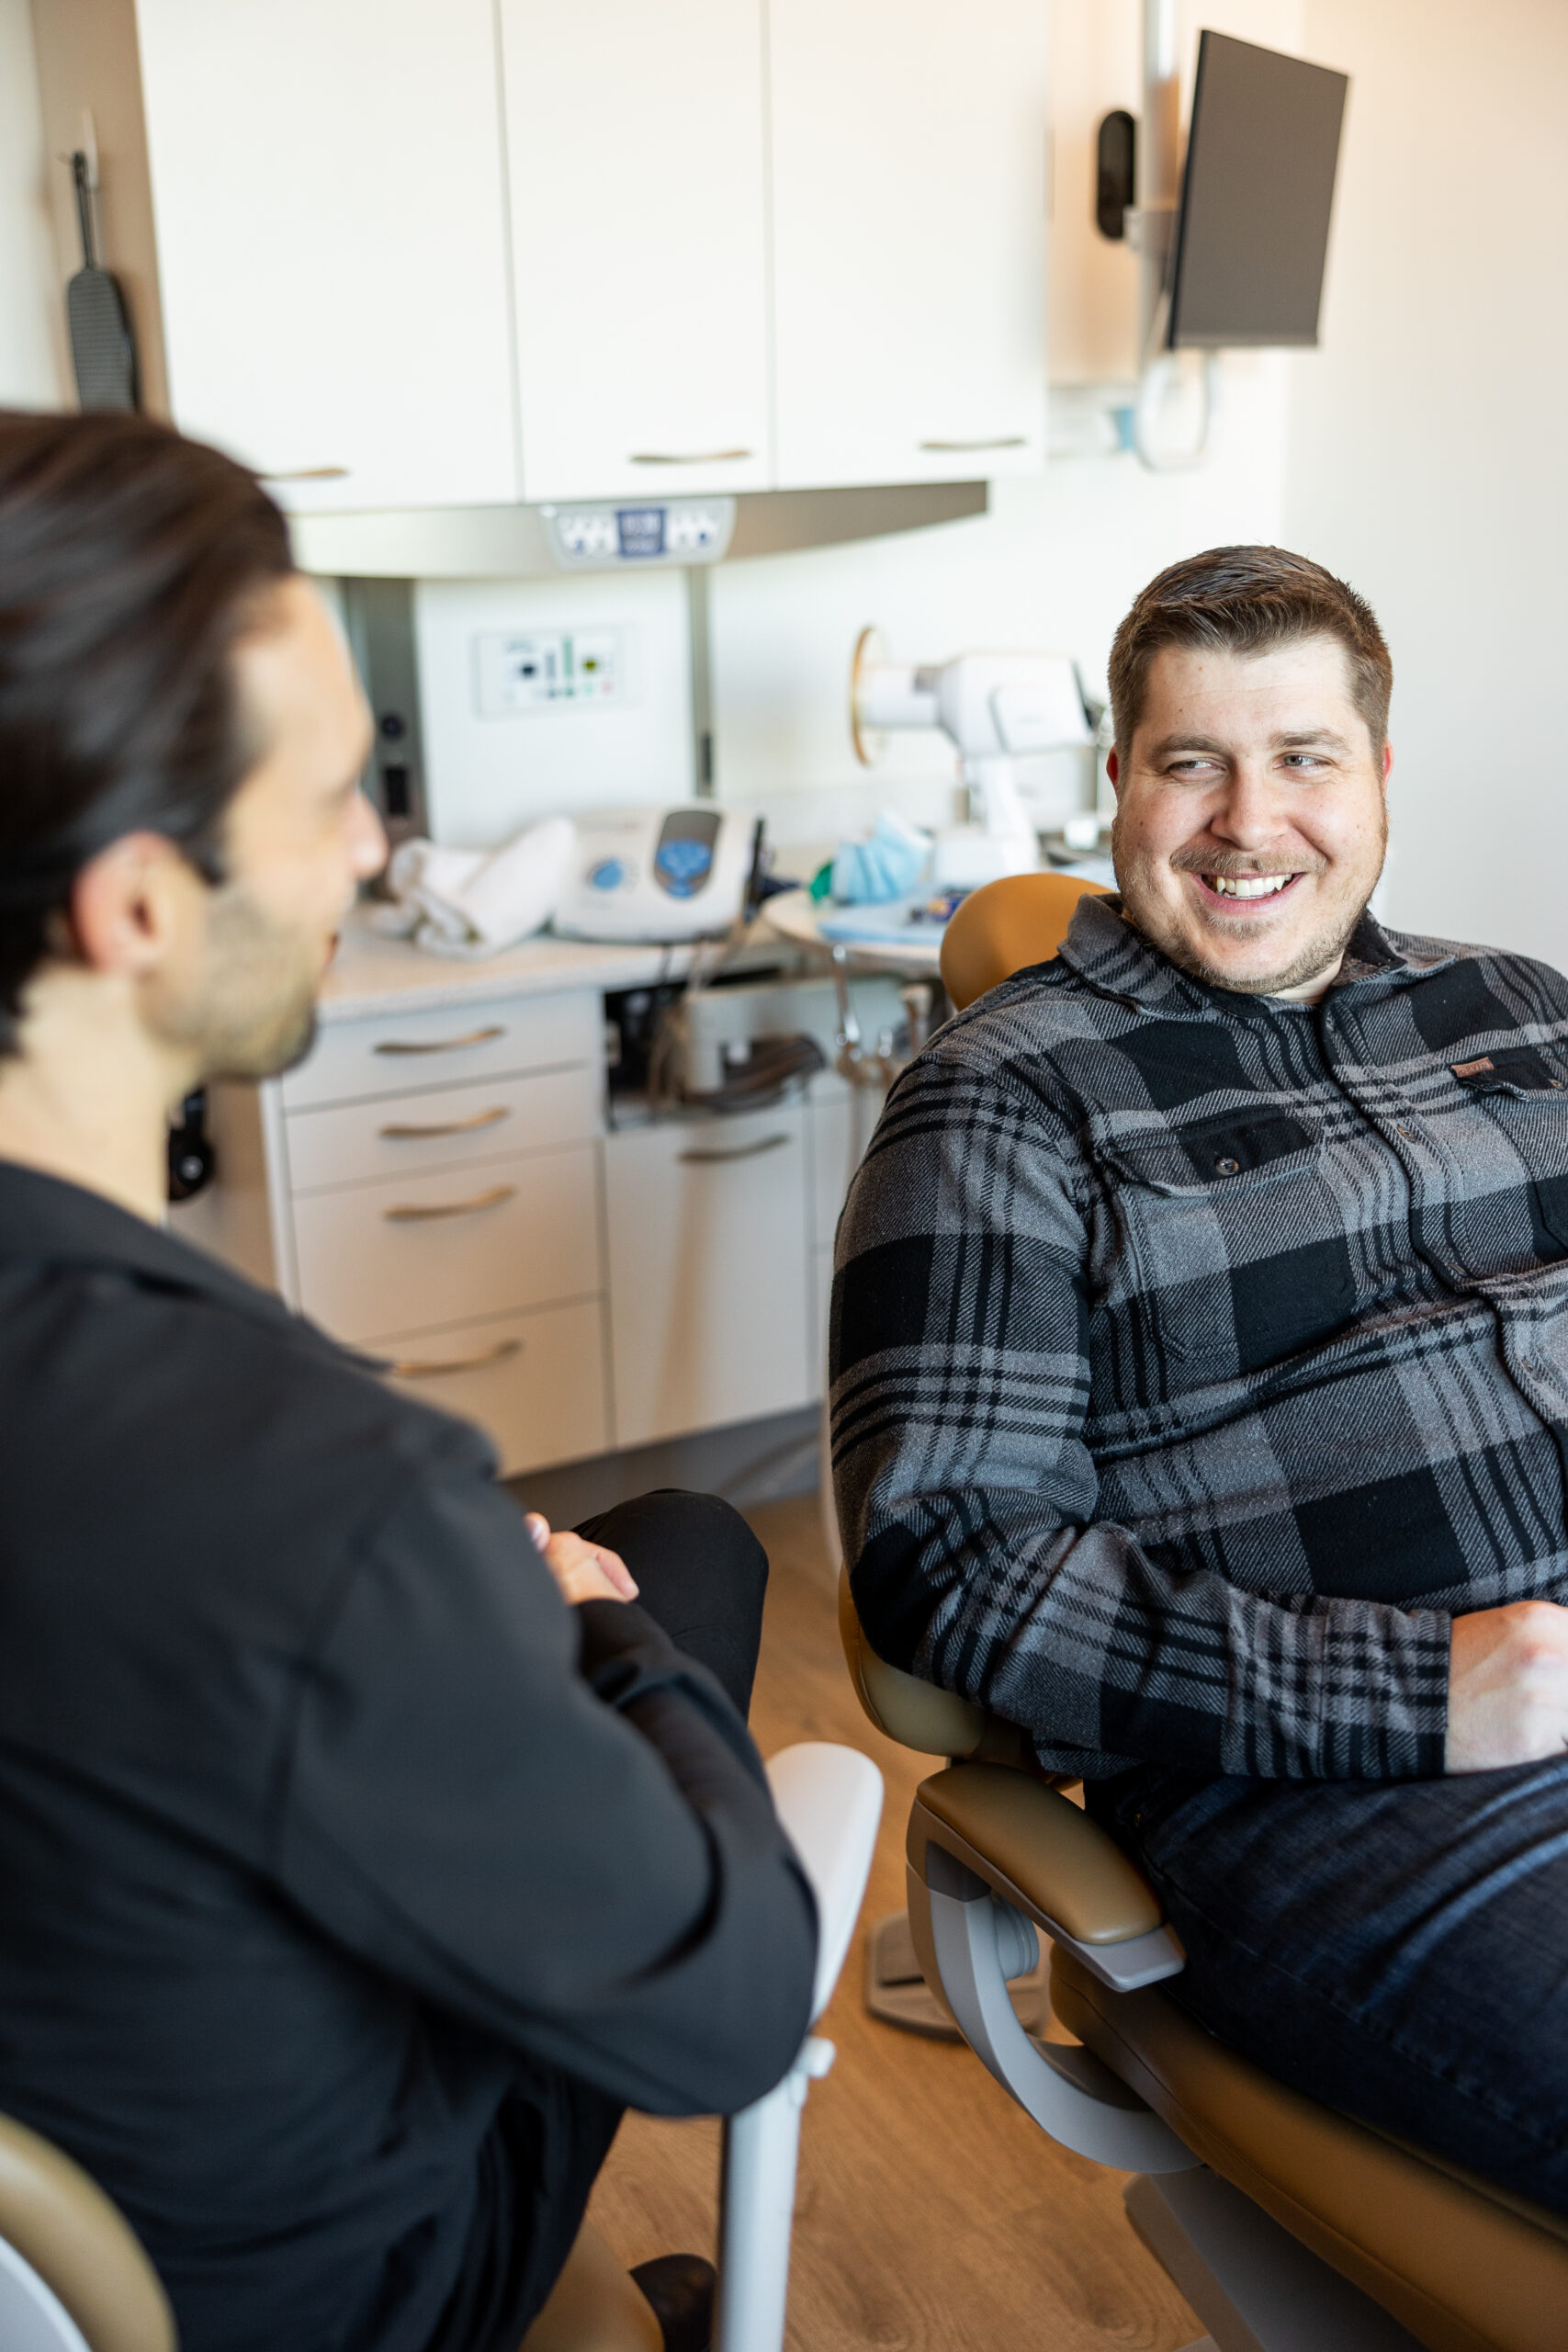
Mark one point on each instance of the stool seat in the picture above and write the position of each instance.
(1465, 2266)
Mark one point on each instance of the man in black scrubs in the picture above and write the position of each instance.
(351, 1881)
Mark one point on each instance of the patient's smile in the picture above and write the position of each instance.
(1243, 885)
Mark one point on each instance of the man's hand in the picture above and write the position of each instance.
(584, 1571)
(1508, 1687)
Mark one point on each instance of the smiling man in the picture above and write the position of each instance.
(1200, 1386)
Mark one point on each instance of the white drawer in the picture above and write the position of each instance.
(446, 1126)
(536, 1383)
(392, 1053)
(411, 1253)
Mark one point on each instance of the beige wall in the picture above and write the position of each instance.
(1428, 451)
(32, 340)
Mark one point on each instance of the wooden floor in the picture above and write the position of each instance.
(933, 2216)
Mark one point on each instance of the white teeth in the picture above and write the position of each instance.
(1248, 885)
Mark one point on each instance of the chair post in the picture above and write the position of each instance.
(762, 2146)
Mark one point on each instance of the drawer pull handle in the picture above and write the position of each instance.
(497, 1354)
(309, 473)
(440, 1045)
(964, 448)
(691, 457)
(450, 1126)
(416, 1212)
(710, 1158)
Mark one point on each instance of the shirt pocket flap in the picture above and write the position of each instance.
(1516, 1071)
(1235, 1149)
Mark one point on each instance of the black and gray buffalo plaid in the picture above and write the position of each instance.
(1196, 1357)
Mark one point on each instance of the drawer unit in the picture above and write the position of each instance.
(419, 1252)
(440, 1127)
(400, 1053)
(708, 1225)
(534, 1383)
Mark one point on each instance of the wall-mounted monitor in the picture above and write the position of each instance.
(1252, 228)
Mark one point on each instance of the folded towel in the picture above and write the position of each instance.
(473, 901)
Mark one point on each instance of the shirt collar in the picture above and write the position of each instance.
(44, 1221)
(1114, 957)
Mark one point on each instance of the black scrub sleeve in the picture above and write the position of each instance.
(548, 1821)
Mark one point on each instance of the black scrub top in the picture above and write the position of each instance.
(334, 1850)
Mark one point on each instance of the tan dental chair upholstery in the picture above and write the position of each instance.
(69, 2236)
(1007, 926)
(1460, 2265)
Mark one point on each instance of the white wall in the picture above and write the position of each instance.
(1427, 460)
(487, 776)
(31, 344)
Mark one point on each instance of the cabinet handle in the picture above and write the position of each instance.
(708, 1159)
(690, 458)
(497, 1354)
(416, 1212)
(310, 473)
(962, 448)
(440, 1045)
(450, 1126)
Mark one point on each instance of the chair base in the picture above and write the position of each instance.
(1256, 2288)
(896, 1991)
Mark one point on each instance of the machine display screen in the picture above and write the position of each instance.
(1252, 233)
(640, 530)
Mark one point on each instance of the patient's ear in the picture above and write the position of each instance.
(1112, 768)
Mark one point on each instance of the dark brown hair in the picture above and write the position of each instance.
(129, 562)
(1248, 599)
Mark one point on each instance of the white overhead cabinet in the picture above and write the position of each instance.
(460, 253)
(909, 142)
(636, 153)
(327, 192)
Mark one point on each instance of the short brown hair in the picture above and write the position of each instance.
(1248, 599)
(129, 563)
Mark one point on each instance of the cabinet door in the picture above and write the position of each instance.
(327, 191)
(635, 149)
(910, 142)
(707, 1223)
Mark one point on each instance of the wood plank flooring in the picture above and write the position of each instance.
(933, 2216)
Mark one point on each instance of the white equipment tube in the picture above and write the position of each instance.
(1159, 189)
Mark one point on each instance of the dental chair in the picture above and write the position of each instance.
(1287, 2226)
(74, 2279)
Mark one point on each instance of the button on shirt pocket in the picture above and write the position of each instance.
(1233, 1254)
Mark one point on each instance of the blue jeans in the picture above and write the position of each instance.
(1396, 1950)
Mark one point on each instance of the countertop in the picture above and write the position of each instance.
(371, 974)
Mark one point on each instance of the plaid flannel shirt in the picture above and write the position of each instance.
(1196, 1357)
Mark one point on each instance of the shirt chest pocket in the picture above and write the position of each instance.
(1232, 1252)
(1522, 1094)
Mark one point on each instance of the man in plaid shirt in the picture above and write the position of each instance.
(1200, 1386)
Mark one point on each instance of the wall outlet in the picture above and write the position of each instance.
(521, 671)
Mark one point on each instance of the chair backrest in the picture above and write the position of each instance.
(1007, 926)
(59, 2228)
(998, 929)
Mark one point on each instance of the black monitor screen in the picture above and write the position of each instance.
(1255, 197)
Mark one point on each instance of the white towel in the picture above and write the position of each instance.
(475, 901)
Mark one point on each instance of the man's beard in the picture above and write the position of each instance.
(1321, 951)
(256, 1014)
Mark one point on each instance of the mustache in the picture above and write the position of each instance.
(1237, 866)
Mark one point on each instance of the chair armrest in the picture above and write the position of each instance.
(1050, 1861)
(829, 1801)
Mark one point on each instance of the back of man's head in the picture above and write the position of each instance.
(129, 562)
(1248, 599)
